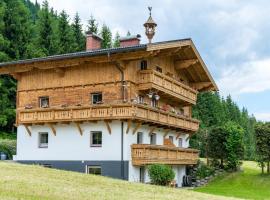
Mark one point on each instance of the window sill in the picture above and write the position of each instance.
(95, 145)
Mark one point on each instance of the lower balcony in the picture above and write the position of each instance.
(145, 154)
(138, 112)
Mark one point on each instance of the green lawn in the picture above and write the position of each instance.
(249, 184)
(38, 183)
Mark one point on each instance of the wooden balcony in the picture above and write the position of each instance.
(145, 154)
(107, 112)
(151, 79)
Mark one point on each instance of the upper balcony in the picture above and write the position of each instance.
(145, 154)
(138, 112)
(151, 79)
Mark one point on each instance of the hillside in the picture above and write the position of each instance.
(34, 182)
(248, 184)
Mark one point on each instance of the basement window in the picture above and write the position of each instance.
(95, 170)
(96, 139)
(143, 65)
(44, 102)
(43, 140)
(96, 98)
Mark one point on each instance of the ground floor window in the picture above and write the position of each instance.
(142, 174)
(96, 139)
(43, 140)
(96, 170)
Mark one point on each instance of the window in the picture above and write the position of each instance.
(180, 142)
(43, 140)
(171, 139)
(139, 138)
(158, 69)
(140, 99)
(96, 170)
(143, 65)
(154, 102)
(153, 139)
(142, 174)
(96, 98)
(96, 139)
(43, 102)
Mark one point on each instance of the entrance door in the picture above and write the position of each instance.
(142, 174)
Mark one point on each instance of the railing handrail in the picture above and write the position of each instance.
(151, 71)
(163, 147)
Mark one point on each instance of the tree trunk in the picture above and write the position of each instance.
(221, 163)
(262, 166)
(268, 167)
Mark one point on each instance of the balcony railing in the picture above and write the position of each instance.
(152, 79)
(145, 154)
(107, 112)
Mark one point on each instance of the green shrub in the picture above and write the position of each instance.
(203, 170)
(160, 174)
(10, 136)
(8, 147)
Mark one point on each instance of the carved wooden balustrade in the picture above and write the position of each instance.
(144, 154)
(149, 79)
(106, 112)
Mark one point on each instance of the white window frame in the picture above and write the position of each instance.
(43, 145)
(93, 167)
(91, 139)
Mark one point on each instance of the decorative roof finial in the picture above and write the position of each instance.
(150, 26)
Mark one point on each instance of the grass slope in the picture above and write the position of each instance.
(33, 182)
(249, 184)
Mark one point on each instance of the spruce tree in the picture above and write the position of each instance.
(106, 36)
(92, 26)
(116, 41)
(79, 38)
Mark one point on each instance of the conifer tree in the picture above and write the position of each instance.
(106, 36)
(79, 38)
(116, 41)
(128, 33)
(92, 26)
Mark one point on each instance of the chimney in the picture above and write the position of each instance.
(130, 40)
(93, 41)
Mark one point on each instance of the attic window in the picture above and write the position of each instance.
(44, 102)
(143, 65)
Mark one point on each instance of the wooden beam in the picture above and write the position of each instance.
(79, 128)
(128, 126)
(53, 128)
(108, 127)
(183, 64)
(200, 85)
(151, 131)
(16, 76)
(28, 130)
(178, 135)
(137, 127)
(166, 132)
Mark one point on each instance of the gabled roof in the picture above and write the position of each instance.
(197, 71)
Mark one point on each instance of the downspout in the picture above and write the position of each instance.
(122, 151)
(118, 66)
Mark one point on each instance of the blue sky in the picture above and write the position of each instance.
(231, 36)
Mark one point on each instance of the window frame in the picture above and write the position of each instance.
(141, 99)
(139, 135)
(171, 138)
(92, 98)
(143, 65)
(155, 139)
(94, 167)
(91, 139)
(159, 69)
(40, 99)
(180, 139)
(43, 145)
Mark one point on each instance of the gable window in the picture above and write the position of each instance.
(139, 138)
(43, 140)
(44, 102)
(153, 139)
(96, 98)
(171, 139)
(140, 99)
(96, 139)
(143, 65)
(180, 142)
(158, 69)
(96, 170)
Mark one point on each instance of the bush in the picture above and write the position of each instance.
(203, 170)
(8, 147)
(10, 136)
(160, 174)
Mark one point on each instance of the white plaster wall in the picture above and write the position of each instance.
(68, 144)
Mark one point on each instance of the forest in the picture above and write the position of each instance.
(29, 30)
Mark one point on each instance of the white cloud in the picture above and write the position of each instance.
(262, 117)
(249, 77)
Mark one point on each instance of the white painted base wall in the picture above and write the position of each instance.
(69, 145)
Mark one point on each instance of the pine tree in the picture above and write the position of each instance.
(128, 33)
(77, 34)
(106, 36)
(3, 42)
(92, 26)
(46, 38)
(66, 40)
(116, 41)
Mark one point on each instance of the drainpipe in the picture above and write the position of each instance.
(118, 66)
(122, 151)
